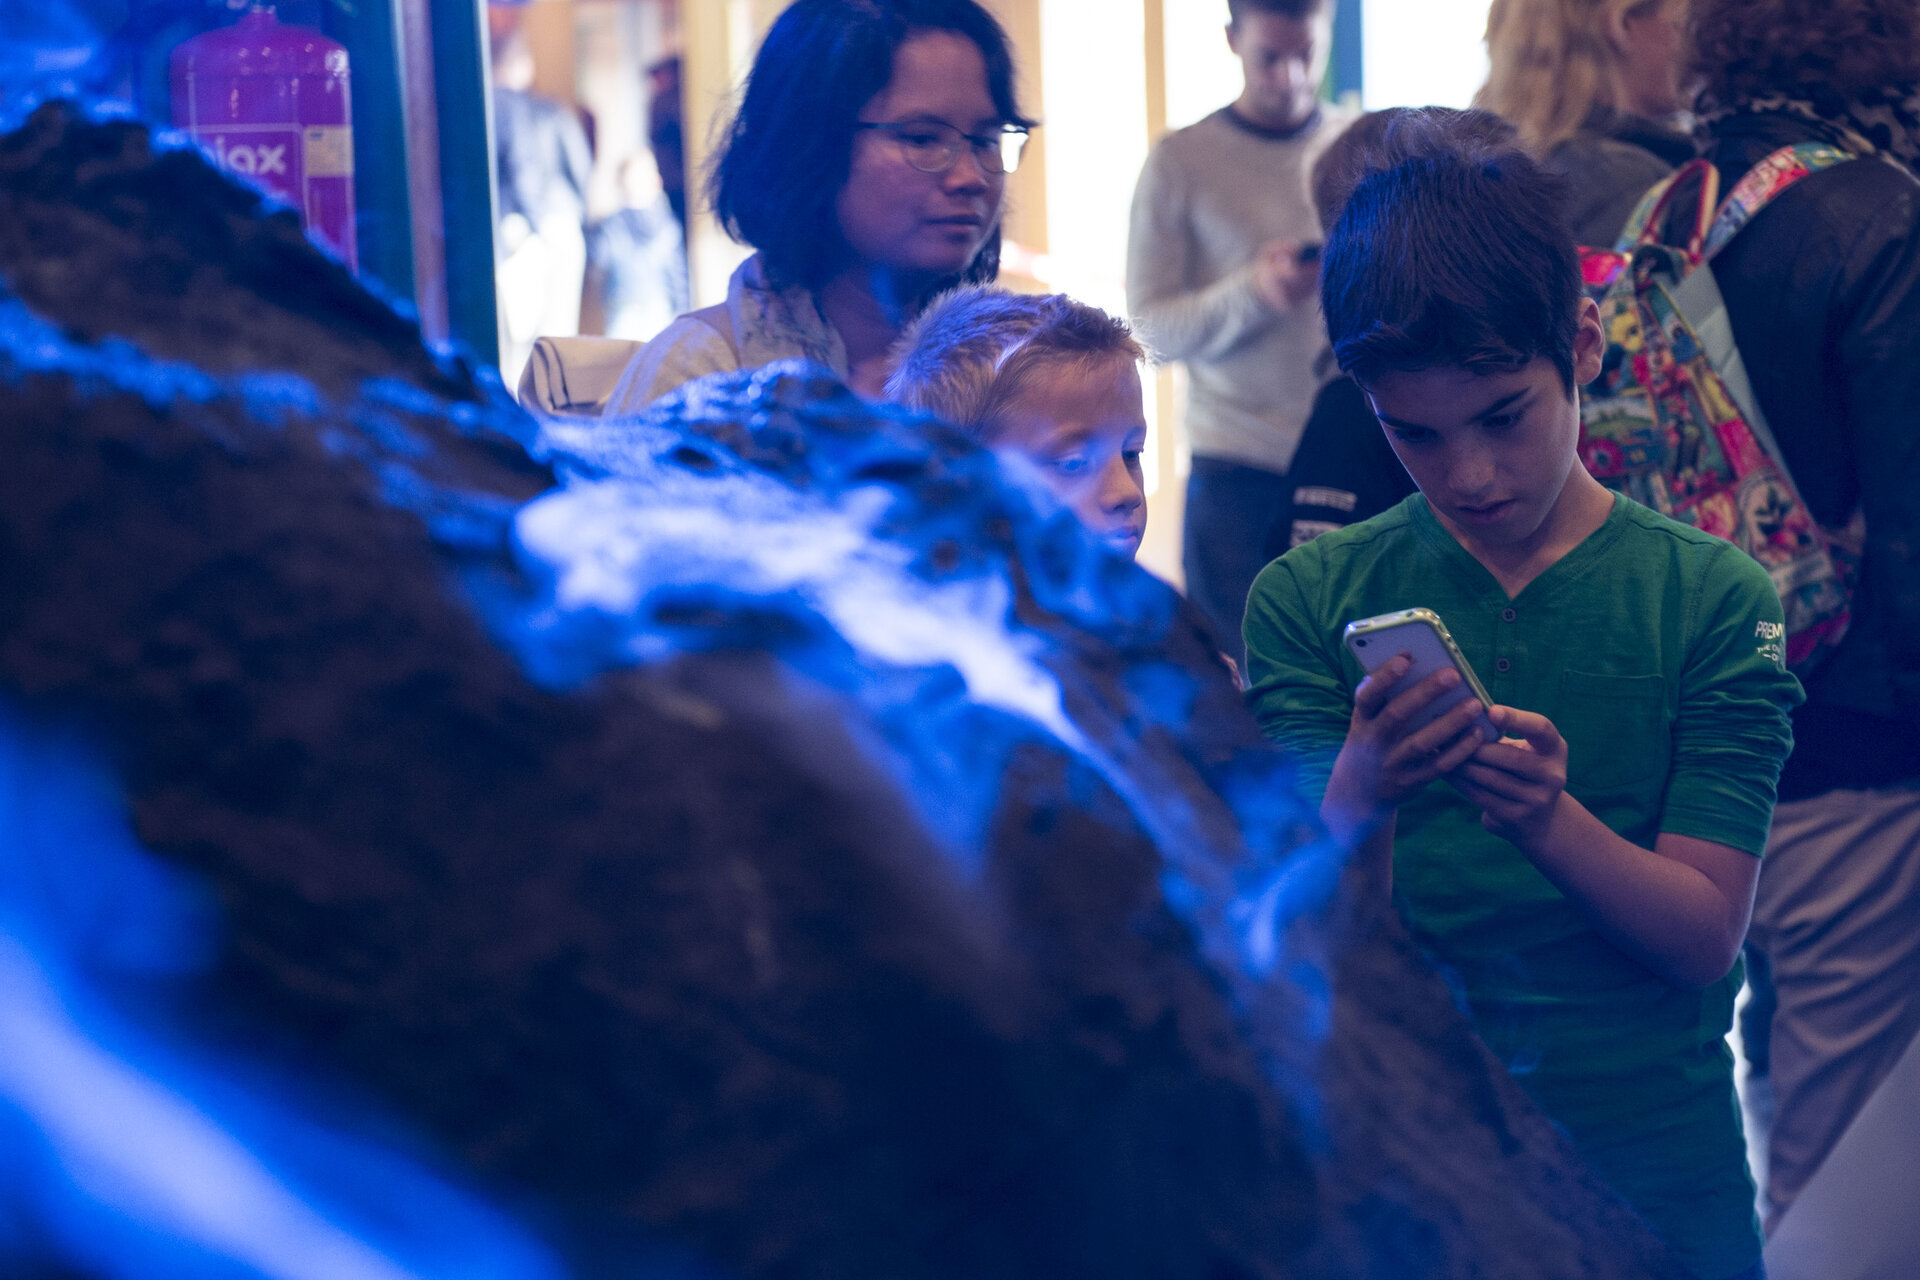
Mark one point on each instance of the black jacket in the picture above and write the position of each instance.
(1608, 167)
(1823, 289)
(1343, 472)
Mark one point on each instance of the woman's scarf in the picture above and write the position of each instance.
(1880, 121)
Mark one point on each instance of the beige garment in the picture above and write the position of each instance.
(756, 325)
(1838, 915)
(1209, 197)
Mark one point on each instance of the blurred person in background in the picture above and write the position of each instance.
(543, 163)
(1221, 275)
(666, 137)
(867, 168)
(1823, 290)
(637, 258)
(1594, 87)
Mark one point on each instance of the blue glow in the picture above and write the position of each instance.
(34, 346)
(50, 51)
(757, 491)
(770, 495)
(134, 1154)
(903, 608)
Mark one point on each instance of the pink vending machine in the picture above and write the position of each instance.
(271, 102)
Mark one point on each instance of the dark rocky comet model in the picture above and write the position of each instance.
(696, 920)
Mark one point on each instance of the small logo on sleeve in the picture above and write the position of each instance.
(1770, 634)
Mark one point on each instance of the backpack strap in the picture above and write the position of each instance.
(1764, 182)
(1648, 221)
(1642, 216)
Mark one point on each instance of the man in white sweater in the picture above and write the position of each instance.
(1222, 273)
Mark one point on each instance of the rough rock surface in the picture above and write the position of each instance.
(679, 936)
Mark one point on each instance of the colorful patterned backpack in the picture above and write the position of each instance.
(1672, 420)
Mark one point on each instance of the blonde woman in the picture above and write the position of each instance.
(1594, 87)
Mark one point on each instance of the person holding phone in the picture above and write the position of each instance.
(1222, 270)
(1589, 876)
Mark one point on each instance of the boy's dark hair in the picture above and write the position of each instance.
(972, 351)
(1236, 9)
(1459, 254)
(1818, 49)
(789, 149)
(1381, 139)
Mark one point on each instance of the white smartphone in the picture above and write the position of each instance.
(1420, 633)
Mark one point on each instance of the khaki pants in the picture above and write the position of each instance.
(1838, 915)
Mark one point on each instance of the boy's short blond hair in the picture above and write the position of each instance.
(972, 351)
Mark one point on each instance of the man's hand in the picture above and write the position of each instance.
(1383, 761)
(1519, 782)
(1280, 279)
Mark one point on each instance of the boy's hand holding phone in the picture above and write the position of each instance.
(1389, 754)
(1519, 782)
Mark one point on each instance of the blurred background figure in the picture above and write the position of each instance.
(665, 133)
(544, 163)
(637, 256)
(1221, 274)
(1594, 87)
(1823, 292)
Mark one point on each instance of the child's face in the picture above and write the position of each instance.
(1491, 452)
(1083, 428)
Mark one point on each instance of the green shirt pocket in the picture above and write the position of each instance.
(1618, 730)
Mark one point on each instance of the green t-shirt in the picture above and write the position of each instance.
(1655, 650)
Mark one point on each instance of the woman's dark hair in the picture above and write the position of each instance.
(1457, 253)
(789, 149)
(1817, 49)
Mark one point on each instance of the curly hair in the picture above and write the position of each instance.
(1746, 49)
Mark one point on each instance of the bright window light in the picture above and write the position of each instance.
(1422, 53)
(1202, 73)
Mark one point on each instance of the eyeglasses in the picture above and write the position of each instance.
(932, 147)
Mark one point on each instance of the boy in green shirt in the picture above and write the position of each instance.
(1589, 877)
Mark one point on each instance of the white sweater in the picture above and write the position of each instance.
(1209, 196)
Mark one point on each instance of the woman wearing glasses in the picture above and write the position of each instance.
(866, 168)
